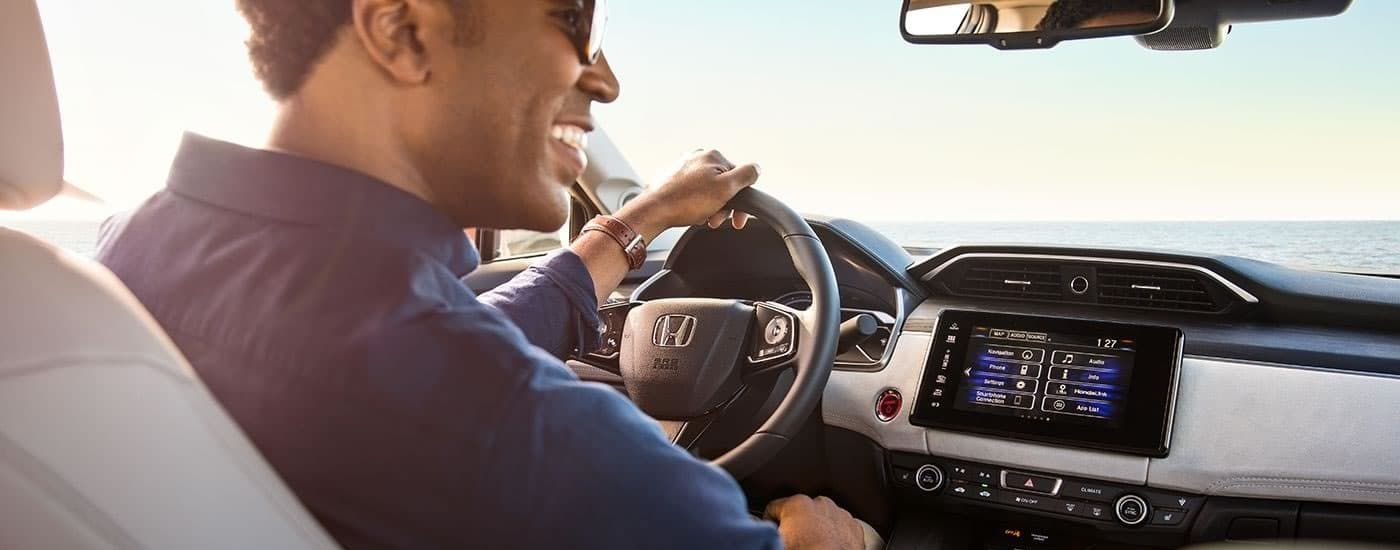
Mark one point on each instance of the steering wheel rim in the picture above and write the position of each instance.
(815, 331)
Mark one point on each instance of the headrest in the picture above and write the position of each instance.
(31, 139)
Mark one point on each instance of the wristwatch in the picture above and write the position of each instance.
(633, 245)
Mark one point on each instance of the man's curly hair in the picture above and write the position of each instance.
(1070, 14)
(290, 36)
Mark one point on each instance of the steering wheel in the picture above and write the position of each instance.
(687, 359)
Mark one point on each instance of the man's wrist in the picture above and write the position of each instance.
(635, 216)
(632, 244)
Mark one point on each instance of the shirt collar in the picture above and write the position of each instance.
(287, 188)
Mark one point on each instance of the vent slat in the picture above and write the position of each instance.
(1027, 280)
(1155, 289)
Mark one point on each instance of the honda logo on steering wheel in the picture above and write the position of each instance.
(673, 331)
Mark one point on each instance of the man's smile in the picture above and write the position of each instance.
(569, 141)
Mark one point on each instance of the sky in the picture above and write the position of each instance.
(1287, 121)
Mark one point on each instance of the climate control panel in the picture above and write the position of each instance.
(1105, 506)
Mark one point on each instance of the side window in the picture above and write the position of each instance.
(508, 244)
(513, 243)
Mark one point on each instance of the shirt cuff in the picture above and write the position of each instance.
(567, 271)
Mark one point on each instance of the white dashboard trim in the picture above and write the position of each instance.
(1238, 428)
(1242, 293)
(1234, 433)
(849, 395)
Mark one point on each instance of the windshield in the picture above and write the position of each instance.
(1277, 146)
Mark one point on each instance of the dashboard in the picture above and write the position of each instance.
(1095, 396)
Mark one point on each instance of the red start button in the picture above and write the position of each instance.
(887, 406)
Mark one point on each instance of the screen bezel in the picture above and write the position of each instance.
(1145, 428)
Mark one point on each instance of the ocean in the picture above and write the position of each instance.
(1365, 246)
(1359, 246)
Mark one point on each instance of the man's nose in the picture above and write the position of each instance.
(599, 82)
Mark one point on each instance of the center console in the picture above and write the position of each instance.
(1068, 382)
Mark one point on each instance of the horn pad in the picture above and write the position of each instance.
(680, 356)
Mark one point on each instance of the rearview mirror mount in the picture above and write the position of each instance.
(1029, 24)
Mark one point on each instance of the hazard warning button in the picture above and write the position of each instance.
(1030, 483)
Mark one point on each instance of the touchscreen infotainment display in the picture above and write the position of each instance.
(1057, 376)
(1067, 381)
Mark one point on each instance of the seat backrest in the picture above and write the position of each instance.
(107, 438)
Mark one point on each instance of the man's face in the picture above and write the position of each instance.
(503, 112)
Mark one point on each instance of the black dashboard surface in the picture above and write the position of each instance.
(1301, 318)
(754, 264)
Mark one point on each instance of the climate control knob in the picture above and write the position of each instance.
(929, 478)
(1131, 510)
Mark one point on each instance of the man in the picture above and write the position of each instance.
(1094, 14)
(315, 286)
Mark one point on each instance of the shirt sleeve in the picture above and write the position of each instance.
(612, 480)
(458, 433)
(553, 303)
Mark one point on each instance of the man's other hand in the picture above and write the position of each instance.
(805, 523)
(695, 194)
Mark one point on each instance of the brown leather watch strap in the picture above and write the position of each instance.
(633, 245)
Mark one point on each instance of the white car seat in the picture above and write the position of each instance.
(107, 438)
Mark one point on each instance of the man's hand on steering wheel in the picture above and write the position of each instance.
(696, 193)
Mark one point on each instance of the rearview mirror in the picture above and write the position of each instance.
(1023, 24)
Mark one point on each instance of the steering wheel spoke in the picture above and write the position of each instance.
(687, 434)
(612, 320)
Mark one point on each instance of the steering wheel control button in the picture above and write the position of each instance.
(1167, 516)
(1131, 510)
(614, 318)
(777, 331)
(1049, 486)
(929, 478)
(1089, 491)
(888, 405)
(774, 336)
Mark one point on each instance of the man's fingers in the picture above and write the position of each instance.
(716, 221)
(718, 158)
(740, 219)
(742, 176)
(711, 156)
(776, 509)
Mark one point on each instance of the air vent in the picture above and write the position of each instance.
(1170, 289)
(1011, 279)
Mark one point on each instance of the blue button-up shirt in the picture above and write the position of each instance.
(325, 310)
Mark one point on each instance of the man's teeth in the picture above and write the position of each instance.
(572, 136)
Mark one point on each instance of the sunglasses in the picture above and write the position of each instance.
(588, 30)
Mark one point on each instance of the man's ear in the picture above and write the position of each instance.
(392, 34)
